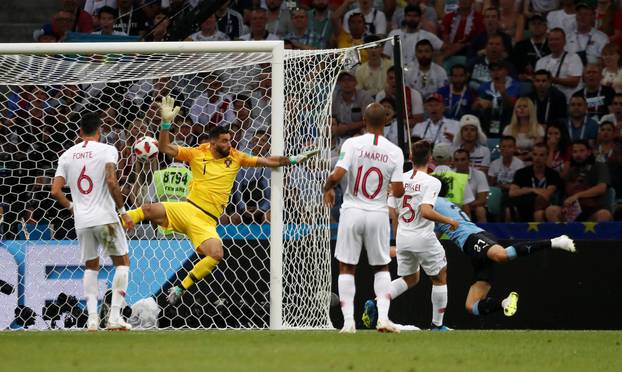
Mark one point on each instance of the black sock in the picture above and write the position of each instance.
(486, 306)
(529, 247)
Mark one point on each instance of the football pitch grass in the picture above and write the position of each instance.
(257, 351)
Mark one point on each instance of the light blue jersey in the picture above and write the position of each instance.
(466, 227)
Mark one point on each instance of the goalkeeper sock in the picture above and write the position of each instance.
(382, 286)
(346, 296)
(527, 248)
(398, 286)
(90, 290)
(137, 215)
(439, 304)
(119, 287)
(486, 306)
(199, 271)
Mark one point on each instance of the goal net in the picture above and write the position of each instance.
(276, 270)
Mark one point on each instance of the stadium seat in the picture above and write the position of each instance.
(493, 146)
(495, 197)
(31, 231)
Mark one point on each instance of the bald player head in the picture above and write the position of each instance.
(375, 118)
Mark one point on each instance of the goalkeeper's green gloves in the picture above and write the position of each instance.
(168, 111)
(301, 158)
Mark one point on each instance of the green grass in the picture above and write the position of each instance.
(257, 351)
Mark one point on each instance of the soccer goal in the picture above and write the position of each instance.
(276, 270)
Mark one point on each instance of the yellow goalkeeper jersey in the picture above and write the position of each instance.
(212, 179)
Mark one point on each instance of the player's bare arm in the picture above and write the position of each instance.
(428, 212)
(329, 187)
(58, 194)
(115, 191)
(168, 111)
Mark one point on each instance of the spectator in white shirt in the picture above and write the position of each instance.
(424, 75)
(564, 18)
(478, 184)
(501, 171)
(106, 17)
(565, 67)
(259, 18)
(437, 129)
(586, 41)
(209, 31)
(375, 20)
(471, 138)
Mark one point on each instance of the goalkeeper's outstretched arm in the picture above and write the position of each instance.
(168, 111)
(279, 161)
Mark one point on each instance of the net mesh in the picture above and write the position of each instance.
(42, 97)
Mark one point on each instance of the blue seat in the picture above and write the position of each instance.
(493, 146)
(495, 197)
(31, 231)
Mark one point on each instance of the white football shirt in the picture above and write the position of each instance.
(420, 188)
(83, 167)
(372, 162)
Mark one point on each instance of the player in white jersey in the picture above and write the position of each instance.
(89, 169)
(417, 244)
(370, 162)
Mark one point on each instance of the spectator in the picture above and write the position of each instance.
(612, 70)
(558, 145)
(300, 35)
(258, 31)
(212, 107)
(533, 188)
(564, 18)
(527, 52)
(131, 21)
(524, 127)
(375, 20)
(346, 39)
(106, 17)
(82, 21)
(160, 29)
(501, 171)
(437, 128)
(279, 20)
(598, 97)
(604, 16)
(429, 17)
(414, 103)
(471, 139)
(61, 25)
(320, 22)
(604, 141)
(459, 191)
(457, 96)
(460, 27)
(512, 21)
(45, 35)
(229, 21)
(424, 75)
(92, 7)
(540, 6)
(496, 99)
(550, 102)
(586, 187)
(580, 126)
(411, 34)
(390, 127)
(614, 164)
(586, 41)
(480, 67)
(491, 27)
(477, 183)
(615, 113)
(565, 67)
(348, 106)
(209, 31)
(371, 76)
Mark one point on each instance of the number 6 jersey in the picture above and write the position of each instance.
(372, 161)
(83, 167)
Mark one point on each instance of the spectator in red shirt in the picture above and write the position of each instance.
(82, 21)
(460, 27)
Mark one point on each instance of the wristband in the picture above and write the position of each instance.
(165, 125)
(122, 210)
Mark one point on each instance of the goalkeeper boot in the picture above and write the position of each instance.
(564, 243)
(510, 304)
(174, 295)
(118, 325)
(370, 314)
(92, 324)
(387, 326)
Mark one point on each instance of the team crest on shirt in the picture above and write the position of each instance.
(228, 162)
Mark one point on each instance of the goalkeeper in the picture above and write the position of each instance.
(214, 166)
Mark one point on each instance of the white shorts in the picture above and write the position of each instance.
(110, 237)
(359, 228)
(432, 259)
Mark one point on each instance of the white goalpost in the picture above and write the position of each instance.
(276, 270)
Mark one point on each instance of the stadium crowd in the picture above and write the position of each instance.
(542, 77)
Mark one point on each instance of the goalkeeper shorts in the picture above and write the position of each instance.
(186, 218)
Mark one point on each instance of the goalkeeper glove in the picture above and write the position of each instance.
(168, 111)
(301, 158)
